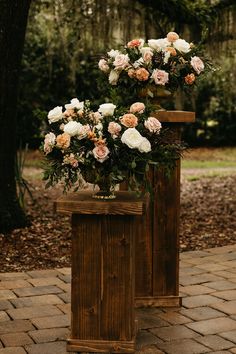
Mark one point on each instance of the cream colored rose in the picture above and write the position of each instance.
(182, 46)
(113, 53)
(107, 109)
(74, 103)
(159, 44)
(172, 36)
(55, 115)
(132, 138)
(101, 152)
(114, 129)
(129, 120)
(197, 64)
(72, 128)
(153, 125)
(160, 77)
(49, 142)
(113, 77)
(63, 141)
(103, 65)
(145, 145)
(121, 61)
(83, 131)
(137, 107)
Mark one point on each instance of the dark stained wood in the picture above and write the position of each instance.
(93, 346)
(103, 273)
(174, 116)
(82, 202)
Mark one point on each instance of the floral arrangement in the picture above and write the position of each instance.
(105, 146)
(168, 63)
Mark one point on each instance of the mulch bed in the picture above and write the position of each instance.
(208, 219)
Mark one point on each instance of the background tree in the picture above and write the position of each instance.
(13, 20)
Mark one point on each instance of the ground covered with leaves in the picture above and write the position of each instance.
(208, 219)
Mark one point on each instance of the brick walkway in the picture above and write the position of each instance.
(35, 307)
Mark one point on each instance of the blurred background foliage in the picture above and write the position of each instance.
(66, 38)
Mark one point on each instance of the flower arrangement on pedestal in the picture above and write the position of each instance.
(106, 146)
(168, 63)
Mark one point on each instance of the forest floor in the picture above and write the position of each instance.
(208, 213)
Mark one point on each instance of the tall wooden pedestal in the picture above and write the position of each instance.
(157, 241)
(103, 266)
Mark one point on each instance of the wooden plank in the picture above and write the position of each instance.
(126, 203)
(100, 346)
(117, 308)
(86, 277)
(174, 116)
(158, 301)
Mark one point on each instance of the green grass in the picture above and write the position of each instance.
(207, 164)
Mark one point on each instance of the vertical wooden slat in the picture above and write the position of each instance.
(117, 309)
(86, 276)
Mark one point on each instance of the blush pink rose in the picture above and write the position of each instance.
(129, 120)
(197, 64)
(147, 54)
(153, 125)
(103, 65)
(121, 61)
(114, 129)
(141, 74)
(100, 152)
(137, 107)
(160, 77)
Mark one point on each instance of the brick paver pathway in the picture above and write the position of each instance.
(35, 310)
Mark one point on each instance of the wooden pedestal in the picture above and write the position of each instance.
(157, 239)
(103, 250)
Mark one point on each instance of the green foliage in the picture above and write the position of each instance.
(215, 108)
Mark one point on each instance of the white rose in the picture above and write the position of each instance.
(99, 126)
(145, 145)
(132, 138)
(113, 77)
(159, 44)
(166, 57)
(72, 128)
(55, 115)
(138, 63)
(107, 109)
(181, 45)
(121, 61)
(74, 103)
(113, 53)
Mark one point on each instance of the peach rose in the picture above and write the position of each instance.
(153, 125)
(171, 50)
(135, 43)
(197, 64)
(129, 120)
(131, 73)
(189, 79)
(172, 36)
(63, 141)
(49, 142)
(70, 160)
(114, 129)
(100, 152)
(142, 74)
(137, 107)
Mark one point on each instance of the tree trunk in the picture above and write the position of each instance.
(13, 21)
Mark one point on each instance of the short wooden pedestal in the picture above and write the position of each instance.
(157, 241)
(103, 244)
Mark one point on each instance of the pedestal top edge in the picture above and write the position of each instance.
(126, 203)
(175, 116)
